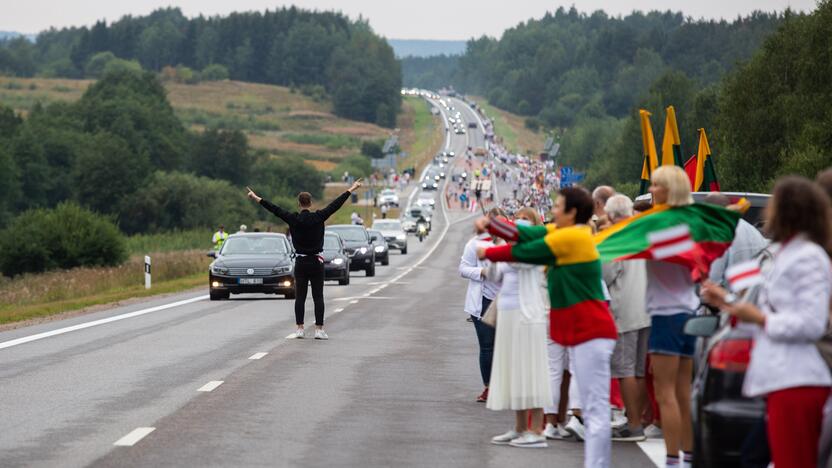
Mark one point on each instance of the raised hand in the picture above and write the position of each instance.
(355, 185)
(253, 195)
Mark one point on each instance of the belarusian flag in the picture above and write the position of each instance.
(649, 155)
(710, 227)
(705, 171)
(671, 143)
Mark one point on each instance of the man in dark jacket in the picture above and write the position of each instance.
(307, 233)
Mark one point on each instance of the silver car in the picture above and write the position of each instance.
(393, 233)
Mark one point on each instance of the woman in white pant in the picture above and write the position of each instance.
(519, 370)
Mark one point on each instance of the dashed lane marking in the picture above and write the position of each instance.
(354, 302)
(134, 436)
(258, 356)
(210, 386)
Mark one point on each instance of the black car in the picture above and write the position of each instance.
(253, 263)
(336, 260)
(357, 245)
(380, 247)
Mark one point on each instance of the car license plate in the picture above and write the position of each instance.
(251, 280)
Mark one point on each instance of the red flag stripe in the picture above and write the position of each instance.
(743, 275)
(675, 240)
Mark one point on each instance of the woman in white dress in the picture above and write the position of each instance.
(520, 369)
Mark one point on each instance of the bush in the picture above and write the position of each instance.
(65, 237)
(357, 166)
(214, 72)
(532, 123)
(373, 149)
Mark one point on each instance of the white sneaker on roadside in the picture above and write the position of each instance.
(653, 432)
(299, 334)
(575, 428)
(320, 334)
(504, 439)
(618, 420)
(529, 440)
(551, 432)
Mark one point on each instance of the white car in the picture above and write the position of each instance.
(388, 197)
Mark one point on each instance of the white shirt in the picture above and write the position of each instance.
(748, 242)
(795, 299)
(627, 283)
(669, 289)
(471, 267)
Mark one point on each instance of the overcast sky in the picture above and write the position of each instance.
(415, 19)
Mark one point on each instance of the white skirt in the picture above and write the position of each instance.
(520, 367)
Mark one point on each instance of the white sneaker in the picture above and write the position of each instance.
(564, 434)
(321, 335)
(529, 440)
(504, 439)
(551, 432)
(653, 432)
(618, 419)
(575, 428)
(299, 334)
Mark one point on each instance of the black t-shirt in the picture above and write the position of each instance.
(307, 227)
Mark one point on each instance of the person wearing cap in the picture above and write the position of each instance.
(219, 238)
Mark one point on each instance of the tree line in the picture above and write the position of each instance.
(288, 46)
(121, 152)
(757, 84)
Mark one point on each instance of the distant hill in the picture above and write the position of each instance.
(12, 34)
(425, 48)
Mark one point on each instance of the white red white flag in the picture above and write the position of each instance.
(473, 206)
(670, 242)
(744, 275)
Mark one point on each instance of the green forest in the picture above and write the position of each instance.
(758, 84)
(289, 46)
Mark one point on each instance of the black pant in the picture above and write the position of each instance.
(309, 270)
(485, 337)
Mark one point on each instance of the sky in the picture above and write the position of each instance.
(396, 19)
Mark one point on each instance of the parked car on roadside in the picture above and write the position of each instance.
(336, 259)
(394, 233)
(252, 263)
(380, 247)
(358, 247)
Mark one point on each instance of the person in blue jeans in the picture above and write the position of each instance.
(480, 293)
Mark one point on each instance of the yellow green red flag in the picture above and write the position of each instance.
(649, 155)
(671, 143)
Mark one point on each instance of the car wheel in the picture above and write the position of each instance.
(404, 250)
(345, 281)
(371, 270)
(386, 261)
(290, 295)
(216, 296)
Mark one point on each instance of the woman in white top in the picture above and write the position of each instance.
(792, 314)
(519, 373)
(671, 299)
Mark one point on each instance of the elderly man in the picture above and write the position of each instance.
(748, 242)
(600, 195)
(627, 283)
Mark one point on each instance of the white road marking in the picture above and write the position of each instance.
(210, 386)
(354, 302)
(95, 323)
(258, 355)
(134, 436)
(655, 450)
(338, 310)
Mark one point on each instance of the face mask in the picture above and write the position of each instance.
(523, 222)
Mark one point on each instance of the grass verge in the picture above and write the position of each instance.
(512, 130)
(421, 137)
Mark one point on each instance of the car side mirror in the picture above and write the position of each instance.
(212, 254)
(704, 326)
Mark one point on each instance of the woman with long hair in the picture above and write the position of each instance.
(671, 299)
(791, 315)
(519, 373)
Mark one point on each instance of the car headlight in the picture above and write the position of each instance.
(362, 250)
(379, 249)
(282, 269)
(427, 219)
(401, 237)
(433, 202)
(337, 261)
(219, 269)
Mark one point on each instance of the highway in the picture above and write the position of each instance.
(217, 383)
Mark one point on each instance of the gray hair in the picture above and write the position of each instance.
(619, 207)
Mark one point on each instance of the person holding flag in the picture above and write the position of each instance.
(579, 317)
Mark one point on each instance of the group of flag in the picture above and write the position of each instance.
(699, 167)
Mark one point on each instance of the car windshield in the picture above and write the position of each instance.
(388, 192)
(254, 245)
(387, 225)
(331, 243)
(351, 234)
(375, 234)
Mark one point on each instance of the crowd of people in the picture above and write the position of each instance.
(564, 339)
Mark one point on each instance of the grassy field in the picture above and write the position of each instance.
(196, 239)
(32, 296)
(275, 118)
(512, 130)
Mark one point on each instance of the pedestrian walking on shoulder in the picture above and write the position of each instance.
(481, 291)
(307, 234)
(519, 373)
(790, 316)
(384, 210)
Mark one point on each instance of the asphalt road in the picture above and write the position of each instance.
(394, 385)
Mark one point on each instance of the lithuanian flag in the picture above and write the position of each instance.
(705, 180)
(671, 143)
(649, 155)
(710, 227)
